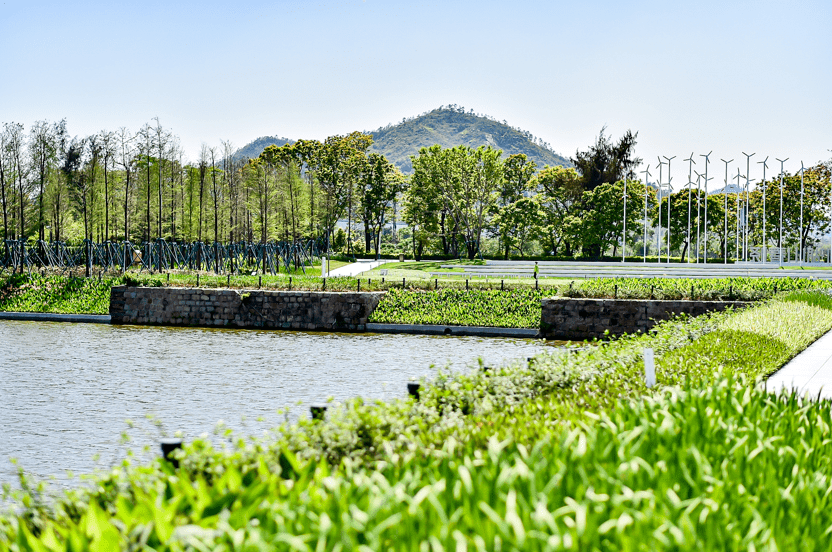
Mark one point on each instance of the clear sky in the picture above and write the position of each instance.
(689, 77)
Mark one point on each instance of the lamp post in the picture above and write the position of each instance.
(691, 163)
(763, 185)
(624, 229)
(737, 236)
(646, 173)
(780, 241)
(659, 201)
(707, 160)
(725, 198)
(800, 228)
(669, 192)
(745, 204)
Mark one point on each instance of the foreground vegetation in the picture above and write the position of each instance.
(568, 451)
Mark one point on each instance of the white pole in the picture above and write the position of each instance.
(624, 232)
(659, 235)
(690, 191)
(780, 242)
(800, 229)
(764, 187)
(725, 194)
(707, 160)
(745, 207)
(646, 173)
(669, 192)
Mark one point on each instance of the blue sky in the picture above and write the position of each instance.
(699, 76)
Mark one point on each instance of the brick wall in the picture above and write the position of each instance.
(290, 310)
(579, 319)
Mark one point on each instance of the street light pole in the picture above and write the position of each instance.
(659, 234)
(624, 230)
(800, 229)
(669, 192)
(780, 241)
(764, 186)
(646, 173)
(691, 162)
(707, 160)
(745, 206)
(725, 194)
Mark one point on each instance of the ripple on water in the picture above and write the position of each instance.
(68, 389)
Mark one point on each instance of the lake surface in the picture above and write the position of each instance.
(67, 390)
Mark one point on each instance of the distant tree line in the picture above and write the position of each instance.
(138, 186)
(460, 201)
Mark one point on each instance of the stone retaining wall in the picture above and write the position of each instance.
(579, 319)
(289, 310)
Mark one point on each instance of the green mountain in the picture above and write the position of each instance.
(447, 126)
(452, 126)
(255, 148)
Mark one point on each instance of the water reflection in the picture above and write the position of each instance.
(68, 389)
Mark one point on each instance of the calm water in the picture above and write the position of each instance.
(67, 390)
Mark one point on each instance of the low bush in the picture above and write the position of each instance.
(509, 309)
(56, 294)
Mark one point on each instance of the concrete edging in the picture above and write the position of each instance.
(429, 329)
(52, 317)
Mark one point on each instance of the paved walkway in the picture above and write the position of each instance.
(355, 269)
(809, 372)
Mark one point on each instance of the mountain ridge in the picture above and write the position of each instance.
(447, 126)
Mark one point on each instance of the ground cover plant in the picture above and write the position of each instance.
(55, 294)
(711, 289)
(510, 309)
(507, 458)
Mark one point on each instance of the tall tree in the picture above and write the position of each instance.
(43, 146)
(604, 162)
(517, 175)
(108, 152)
(380, 181)
(127, 159)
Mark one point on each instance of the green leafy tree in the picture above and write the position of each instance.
(379, 184)
(559, 194)
(422, 204)
(816, 190)
(602, 216)
(520, 223)
(604, 162)
(517, 176)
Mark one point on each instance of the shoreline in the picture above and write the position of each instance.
(416, 329)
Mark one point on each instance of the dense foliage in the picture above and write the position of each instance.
(711, 289)
(477, 194)
(507, 458)
(508, 309)
(55, 294)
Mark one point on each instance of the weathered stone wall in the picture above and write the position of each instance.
(289, 310)
(579, 319)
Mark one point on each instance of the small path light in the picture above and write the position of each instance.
(318, 411)
(168, 446)
(413, 389)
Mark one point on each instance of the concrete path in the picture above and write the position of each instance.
(809, 372)
(355, 269)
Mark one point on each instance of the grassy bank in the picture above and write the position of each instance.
(422, 301)
(570, 451)
(55, 294)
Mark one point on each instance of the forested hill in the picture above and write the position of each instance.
(453, 126)
(447, 126)
(256, 147)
